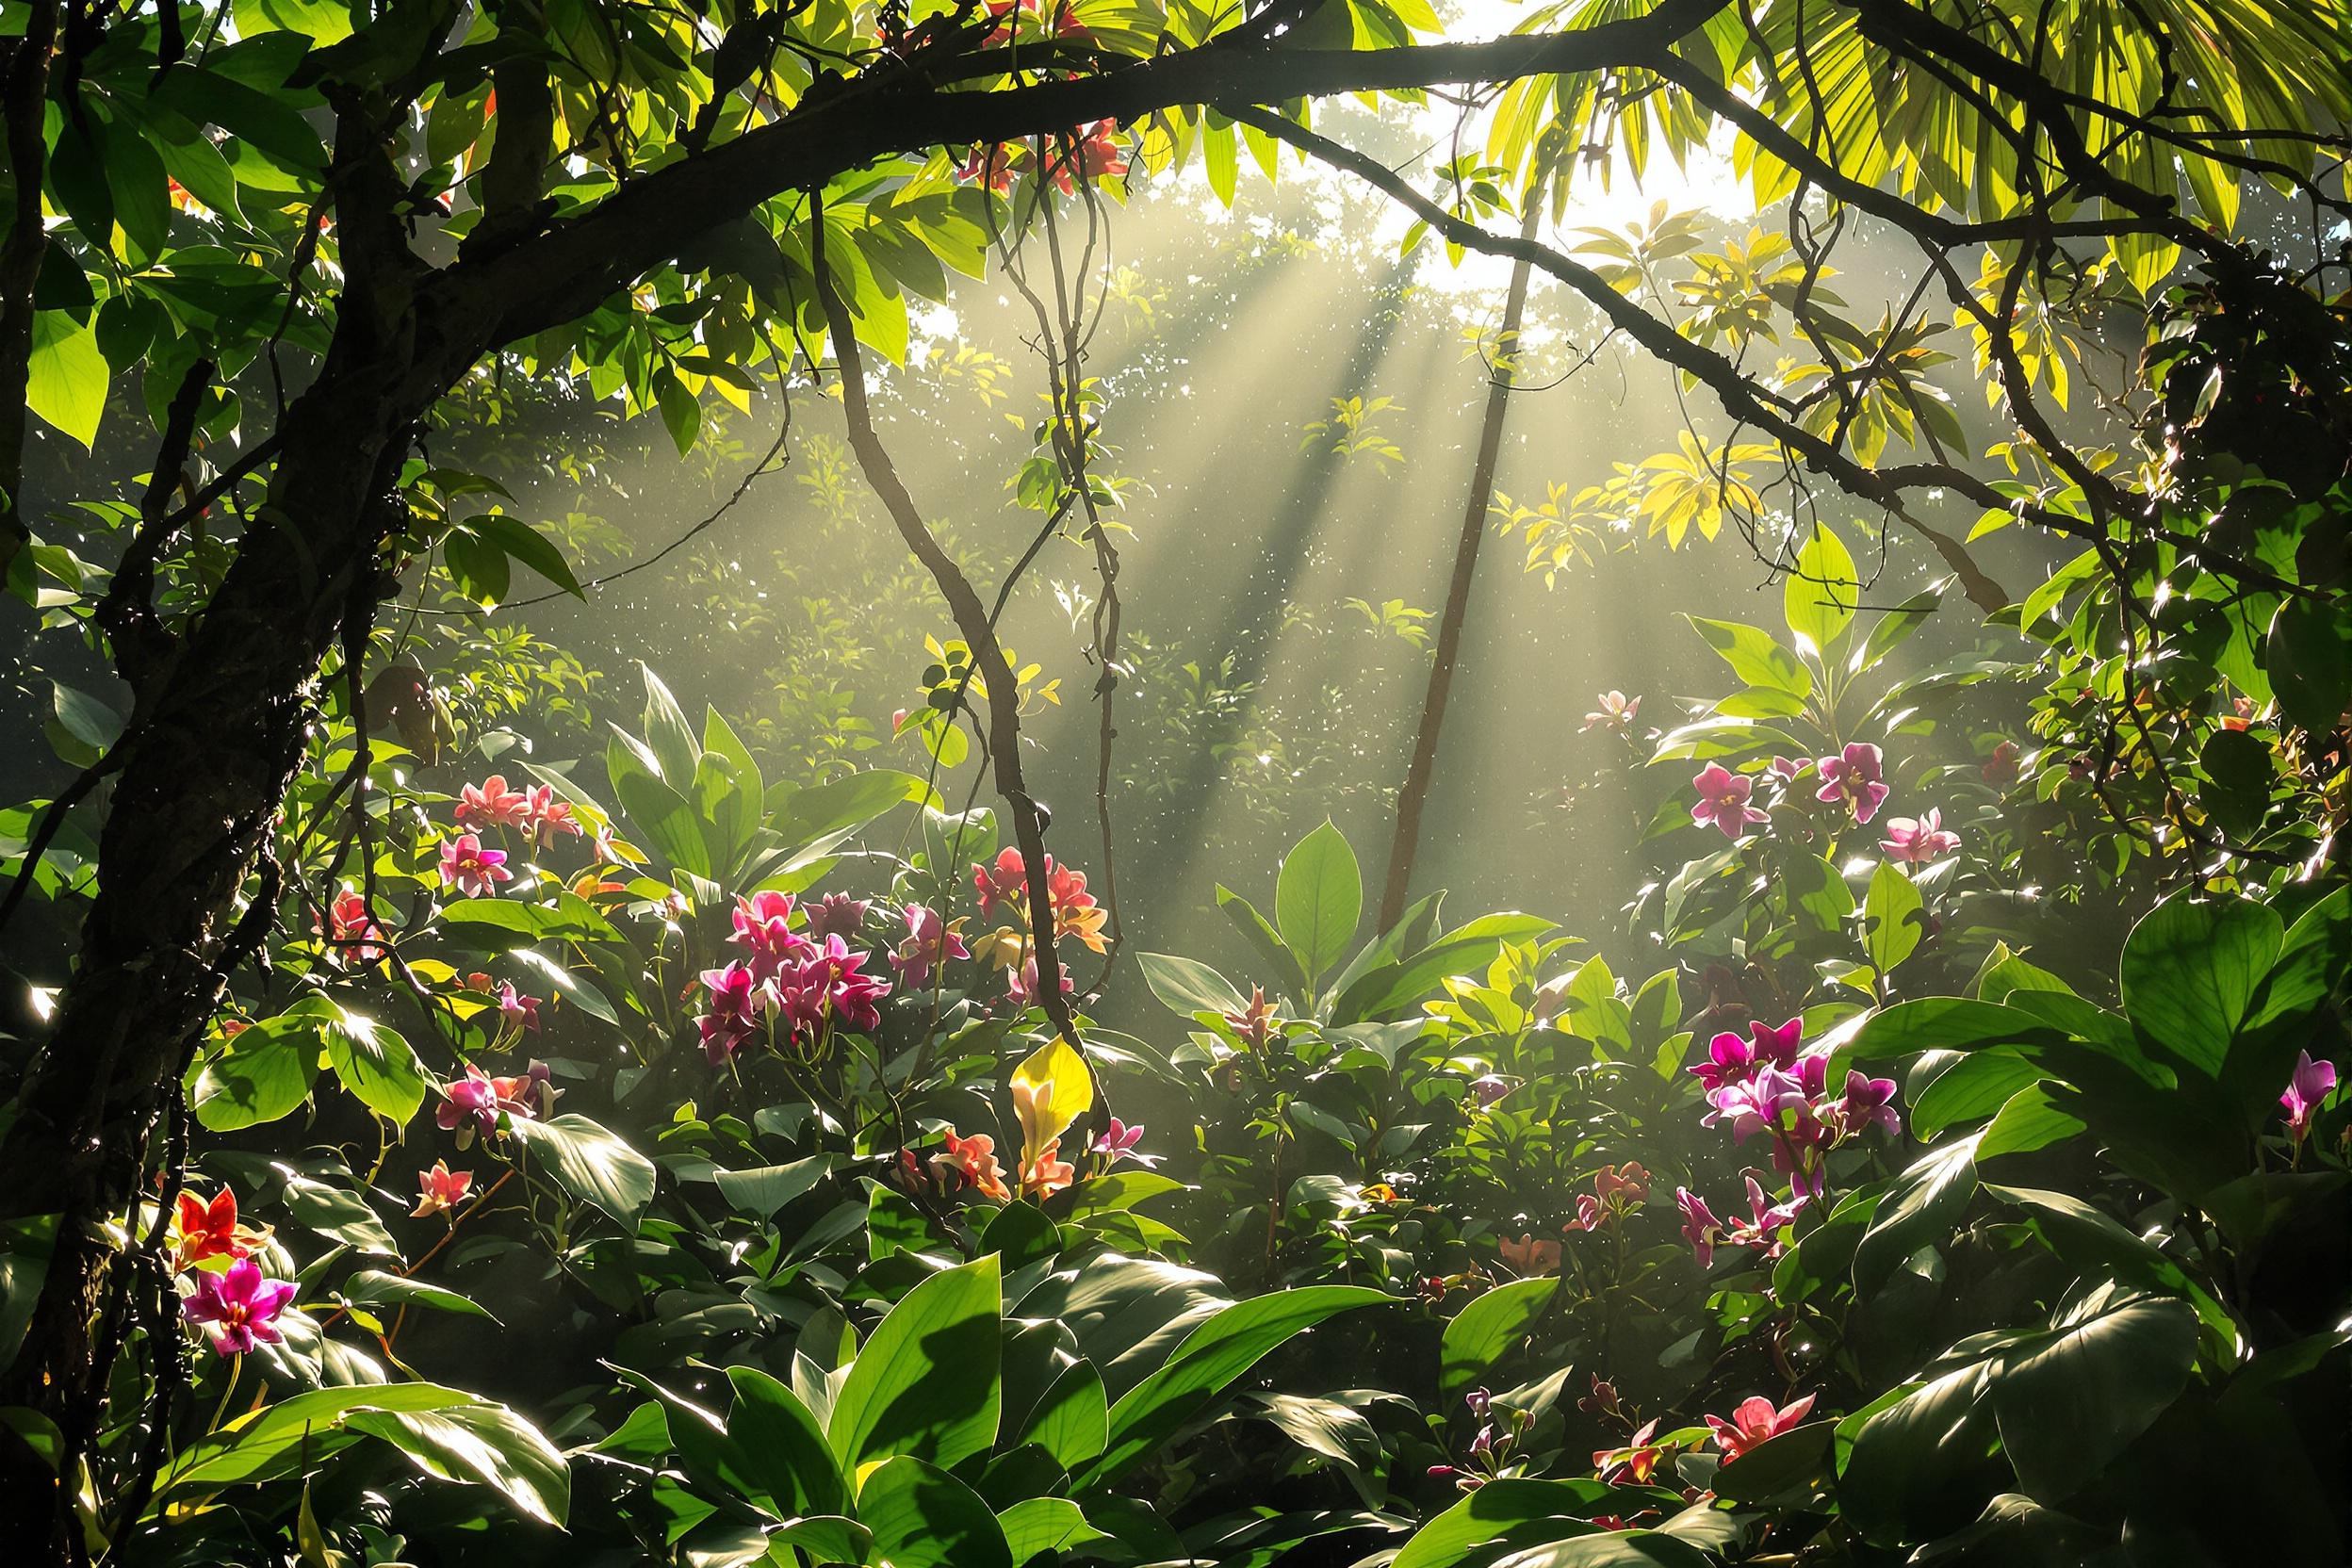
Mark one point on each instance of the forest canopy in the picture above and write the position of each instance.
(561, 556)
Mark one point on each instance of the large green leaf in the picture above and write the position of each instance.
(927, 1383)
(591, 1163)
(1072, 1419)
(1892, 912)
(293, 1435)
(2073, 1401)
(1150, 1415)
(1818, 599)
(1318, 899)
(923, 1517)
(1494, 1512)
(1754, 657)
(783, 1446)
(257, 1075)
(1976, 1085)
(1911, 1462)
(374, 1063)
(66, 378)
(820, 811)
(1919, 1210)
(1037, 1525)
(486, 1444)
(2190, 972)
(1483, 1331)
(1187, 986)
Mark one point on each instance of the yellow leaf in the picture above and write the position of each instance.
(1051, 1088)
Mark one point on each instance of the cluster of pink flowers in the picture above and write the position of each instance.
(1617, 1191)
(805, 981)
(353, 933)
(1854, 779)
(1765, 1229)
(535, 812)
(1769, 1084)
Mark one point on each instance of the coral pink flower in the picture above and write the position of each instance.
(546, 816)
(2306, 1091)
(972, 1161)
(1723, 801)
(472, 870)
(930, 941)
(440, 1188)
(2002, 766)
(1528, 1256)
(492, 804)
(1003, 881)
(242, 1307)
(1753, 1421)
(351, 931)
(1635, 1464)
(1254, 1023)
(1916, 841)
(1856, 776)
(1048, 1174)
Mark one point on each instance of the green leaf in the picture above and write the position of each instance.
(2310, 661)
(783, 1448)
(2190, 971)
(1912, 1463)
(1483, 1331)
(1753, 655)
(375, 1286)
(667, 734)
(1784, 1469)
(766, 1188)
(591, 1163)
(66, 378)
(374, 1063)
(819, 812)
(2071, 1404)
(2239, 778)
(1261, 935)
(1037, 1525)
(258, 1076)
(336, 1213)
(1187, 986)
(293, 1435)
(923, 1517)
(1919, 1210)
(1150, 1415)
(481, 1443)
(1318, 899)
(2029, 1119)
(825, 1537)
(1494, 1512)
(90, 721)
(1891, 916)
(1975, 1085)
(926, 1384)
(512, 537)
(1818, 599)
(1071, 1418)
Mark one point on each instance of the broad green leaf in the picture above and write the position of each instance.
(1913, 1464)
(2069, 1404)
(1818, 597)
(1484, 1332)
(591, 1163)
(374, 1063)
(783, 1446)
(1753, 655)
(2310, 661)
(2191, 969)
(486, 1444)
(1919, 1210)
(1187, 986)
(293, 1435)
(1783, 1468)
(2031, 1119)
(668, 735)
(1495, 1511)
(923, 1517)
(1261, 935)
(1148, 1416)
(825, 1537)
(258, 1076)
(66, 378)
(1891, 915)
(1318, 899)
(1071, 1418)
(766, 1188)
(926, 1382)
(375, 1286)
(1037, 1525)
(1976, 1085)
(806, 815)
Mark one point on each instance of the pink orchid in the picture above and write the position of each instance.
(835, 915)
(1005, 881)
(351, 931)
(1022, 989)
(739, 997)
(519, 1011)
(491, 805)
(764, 927)
(1117, 1142)
(1755, 1420)
(1916, 841)
(243, 1306)
(440, 1188)
(828, 987)
(1868, 1102)
(1616, 710)
(1723, 801)
(477, 1101)
(546, 816)
(2002, 766)
(1700, 1227)
(930, 941)
(2307, 1090)
(1856, 776)
(1766, 1221)
(972, 1161)
(472, 870)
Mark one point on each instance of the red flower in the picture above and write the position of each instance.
(1755, 1421)
(211, 1230)
(351, 931)
(440, 1188)
(972, 1161)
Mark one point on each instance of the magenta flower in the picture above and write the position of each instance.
(1856, 778)
(1488, 1091)
(2002, 766)
(477, 1101)
(517, 1010)
(1752, 1422)
(737, 999)
(242, 1306)
(1868, 1102)
(835, 915)
(930, 941)
(2310, 1086)
(472, 870)
(1700, 1227)
(1117, 1142)
(546, 816)
(1786, 769)
(1916, 841)
(1766, 1221)
(1723, 801)
(764, 927)
(829, 986)
(1022, 986)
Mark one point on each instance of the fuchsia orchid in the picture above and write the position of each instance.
(1755, 1420)
(1855, 777)
(1916, 841)
(1731, 1059)
(491, 805)
(828, 987)
(930, 941)
(241, 1305)
(544, 817)
(764, 927)
(1117, 1142)
(472, 870)
(477, 1101)
(1022, 986)
(835, 915)
(1723, 801)
(739, 999)
(2307, 1090)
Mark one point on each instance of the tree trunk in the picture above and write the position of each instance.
(1423, 766)
(24, 102)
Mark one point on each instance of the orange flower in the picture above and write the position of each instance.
(211, 1230)
(1530, 1256)
(1046, 1175)
(440, 1188)
(972, 1161)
